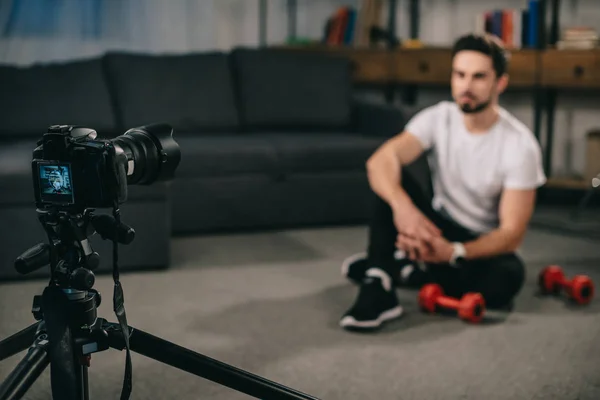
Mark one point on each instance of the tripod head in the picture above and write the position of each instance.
(69, 251)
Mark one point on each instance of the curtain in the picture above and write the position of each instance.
(34, 31)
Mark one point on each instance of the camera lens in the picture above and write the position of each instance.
(152, 153)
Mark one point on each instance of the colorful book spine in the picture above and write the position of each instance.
(350, 27)
(341, 27)
(517, 28)
(533, 37)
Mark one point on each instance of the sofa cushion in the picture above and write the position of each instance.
(225, 154)
(191, 92)
(322, 152)
(34, 97)
(15, 172)
(289, 89)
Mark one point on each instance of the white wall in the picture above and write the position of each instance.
(203, 25)
(139, 25)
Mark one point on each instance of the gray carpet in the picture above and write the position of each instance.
(584, 223)
(269, 303)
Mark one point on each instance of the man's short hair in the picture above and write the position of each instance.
(487, 44)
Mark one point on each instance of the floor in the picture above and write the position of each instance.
(269, 303)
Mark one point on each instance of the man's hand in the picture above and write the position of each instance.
(437, 251)
(415, 227)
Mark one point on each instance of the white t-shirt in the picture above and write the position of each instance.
(469, 171)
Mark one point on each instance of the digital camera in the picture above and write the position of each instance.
(74, 170)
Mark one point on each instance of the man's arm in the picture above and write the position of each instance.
(385, 165)
(516, 209)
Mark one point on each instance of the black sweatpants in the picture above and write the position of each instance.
(497, 278)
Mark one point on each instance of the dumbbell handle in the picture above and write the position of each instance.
(447, 302)
(566, 283)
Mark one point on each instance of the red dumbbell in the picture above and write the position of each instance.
(470, 307)
(552, 280)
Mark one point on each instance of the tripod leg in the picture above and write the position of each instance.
(85, 383)
(18, 342)
(65, 375)
(27, 371)
(200, 365)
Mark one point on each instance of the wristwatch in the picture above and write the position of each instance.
(458, 255)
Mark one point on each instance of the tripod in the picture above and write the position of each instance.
(68, 330)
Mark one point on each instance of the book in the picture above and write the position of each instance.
(533, 37)
(516, 27)
(578, 38)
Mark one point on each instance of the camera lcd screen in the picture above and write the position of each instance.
(56, 183)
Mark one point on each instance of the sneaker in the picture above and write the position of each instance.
(355, 267)
(376, 303)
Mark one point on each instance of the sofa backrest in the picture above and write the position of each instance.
(191, 92)
(34, 97)
(246, 89)
(292, 89)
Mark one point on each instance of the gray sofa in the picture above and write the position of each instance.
(270, 139)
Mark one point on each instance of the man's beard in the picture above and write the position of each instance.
(476, 108)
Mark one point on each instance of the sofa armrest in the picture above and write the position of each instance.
(380, 120)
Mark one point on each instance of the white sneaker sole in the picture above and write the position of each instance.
(392, 313)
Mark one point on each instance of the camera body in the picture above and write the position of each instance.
(73, 170)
